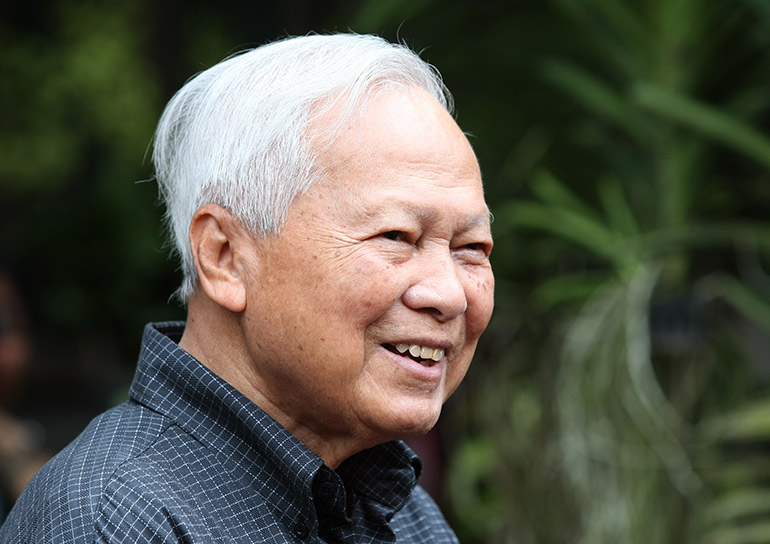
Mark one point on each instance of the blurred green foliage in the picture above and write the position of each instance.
(620, 394)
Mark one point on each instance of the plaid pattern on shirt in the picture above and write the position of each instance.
(189, 459)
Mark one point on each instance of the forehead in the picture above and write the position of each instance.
(400, 120)
(403, 140)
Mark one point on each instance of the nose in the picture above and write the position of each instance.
(437, 287)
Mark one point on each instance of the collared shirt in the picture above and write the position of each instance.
(190, 459)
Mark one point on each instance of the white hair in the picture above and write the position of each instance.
(236, 134)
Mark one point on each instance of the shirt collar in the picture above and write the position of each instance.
(383, 476)
(172, 382)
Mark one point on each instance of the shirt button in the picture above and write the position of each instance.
(301, 531)
(326, 490)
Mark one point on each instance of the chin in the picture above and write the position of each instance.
(413, 423)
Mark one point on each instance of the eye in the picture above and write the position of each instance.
(477, 246)
(395, 235)
(475, 252)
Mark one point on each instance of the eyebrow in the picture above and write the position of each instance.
(474, 221)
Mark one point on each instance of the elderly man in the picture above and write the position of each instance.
(335, 243)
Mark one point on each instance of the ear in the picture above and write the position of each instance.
(216, 241)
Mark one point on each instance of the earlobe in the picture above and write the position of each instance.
(215, 240)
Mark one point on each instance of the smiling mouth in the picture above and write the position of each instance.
(424, 355)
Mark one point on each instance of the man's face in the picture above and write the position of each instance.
(389, 251)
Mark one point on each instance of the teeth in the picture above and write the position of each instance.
(423, 352)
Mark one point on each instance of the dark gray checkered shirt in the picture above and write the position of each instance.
(190, 459)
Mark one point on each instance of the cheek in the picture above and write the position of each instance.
(481, 301)
(370, 289)
(458, 370)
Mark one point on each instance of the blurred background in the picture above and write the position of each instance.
(621, 392)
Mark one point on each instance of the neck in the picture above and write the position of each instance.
(212, 336)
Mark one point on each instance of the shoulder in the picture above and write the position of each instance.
(62, 500)
(421, 520)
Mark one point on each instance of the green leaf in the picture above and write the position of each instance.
(744, 502)
(744, 299)
(751, 533)
(598, 98)
(567, 287)
(616, 207)
(708, 120)
(749, 423)
(703, 235)
(552, 191)
(567, 224)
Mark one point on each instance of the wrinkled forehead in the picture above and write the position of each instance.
(335, 116)
(399, 120)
